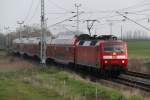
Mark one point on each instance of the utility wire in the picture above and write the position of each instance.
(60, 13)
(31, 5)
(64, 20)
(61, 16)
(113, 11)
(134, 6)
(58, 6)
(120, 21)
(106, 17)
(136, 13)
(133, 21)
(35, 11)
(144, 10)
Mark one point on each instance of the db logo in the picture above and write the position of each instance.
(114, 57)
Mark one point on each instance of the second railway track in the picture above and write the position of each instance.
(140, 75)
(135, 80)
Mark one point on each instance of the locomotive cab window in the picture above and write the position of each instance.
(114, 47)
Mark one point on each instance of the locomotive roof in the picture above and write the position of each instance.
(97, 42)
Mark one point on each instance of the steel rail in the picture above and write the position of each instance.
(137, 74)
(133, 82)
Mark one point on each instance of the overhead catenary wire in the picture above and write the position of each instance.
(65, 20)
(59, 13)
(143, 10)
(120, 21)
(113, 11)
(58, 17)
(28, 13)
(62, 21)
(35, 11)
(113, 16)
(133, 6)
(133, 21)
(136, 13)
(58, 6)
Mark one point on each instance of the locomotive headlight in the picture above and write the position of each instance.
(123, 61)
(106, 61)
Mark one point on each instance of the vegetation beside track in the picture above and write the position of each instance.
(139, 55)
(30, 81)
(139, 49)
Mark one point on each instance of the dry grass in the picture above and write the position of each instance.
(13, 63)
(140, 65)
(126, 91)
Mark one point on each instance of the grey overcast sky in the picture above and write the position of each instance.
(58, 10)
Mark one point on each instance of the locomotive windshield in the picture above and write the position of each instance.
(114, 47)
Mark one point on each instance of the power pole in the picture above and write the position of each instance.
(20, 23)
(90, 24)
(77, 6)
(43, 34)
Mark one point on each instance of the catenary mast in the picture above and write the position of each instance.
(43, 34)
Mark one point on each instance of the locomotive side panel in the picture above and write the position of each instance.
(87, 55)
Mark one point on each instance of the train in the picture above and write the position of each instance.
(104, 53)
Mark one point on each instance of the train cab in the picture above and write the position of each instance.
(105, 53)
(114, 55)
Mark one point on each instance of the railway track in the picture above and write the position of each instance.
(136, 74)
(135, 80)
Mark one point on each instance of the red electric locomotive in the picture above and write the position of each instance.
(104, 53)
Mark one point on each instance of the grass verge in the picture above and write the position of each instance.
(139, 49)
(53, 84)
